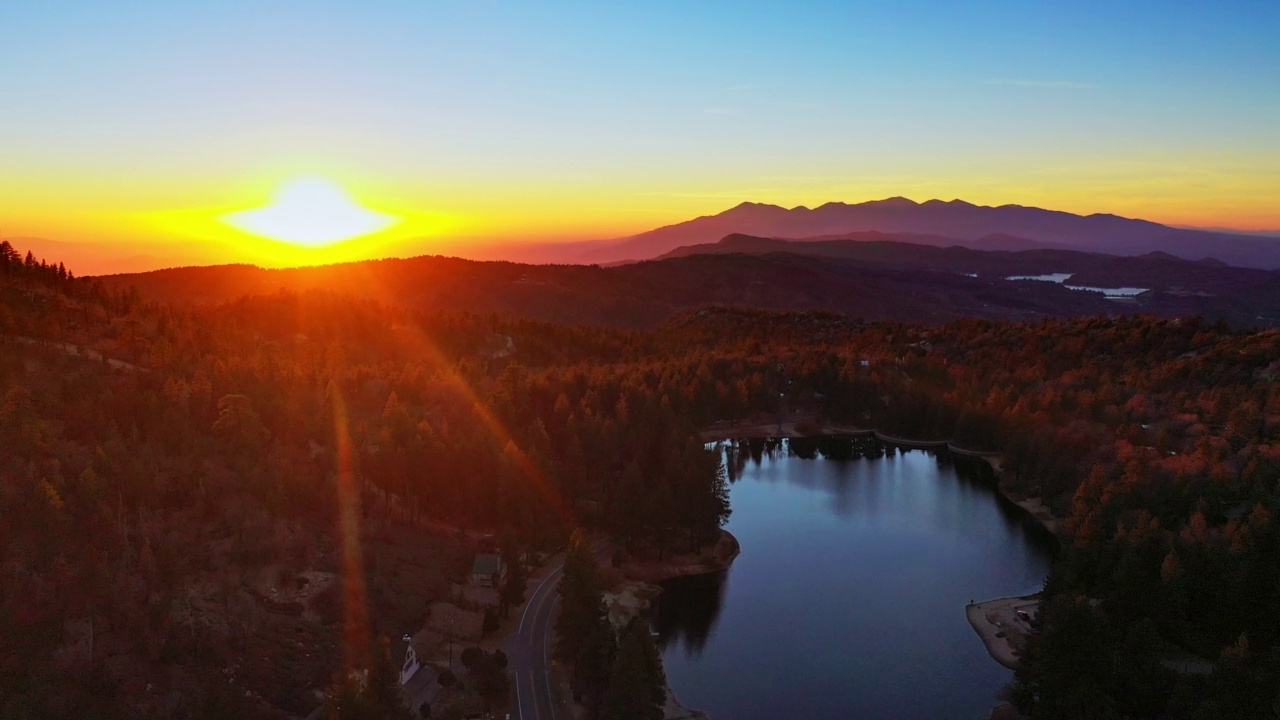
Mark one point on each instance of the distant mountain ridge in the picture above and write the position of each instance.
(1158, 271)
(741, 242)
(962, 222)
(934, 222)
(873, 279)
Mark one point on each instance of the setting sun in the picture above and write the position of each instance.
(549, 361)
(311, 212)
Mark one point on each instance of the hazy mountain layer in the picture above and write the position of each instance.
(871, 280)
(960, 221)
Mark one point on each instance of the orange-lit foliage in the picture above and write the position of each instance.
(207, 450)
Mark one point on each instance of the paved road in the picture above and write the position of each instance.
(529, 649)
(77, 351)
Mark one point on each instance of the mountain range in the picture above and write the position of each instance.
(935, 222)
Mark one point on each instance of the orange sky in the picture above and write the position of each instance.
(130, 130)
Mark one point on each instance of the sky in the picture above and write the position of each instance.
(136, 123)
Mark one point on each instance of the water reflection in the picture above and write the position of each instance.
(848, 598)
(686, 612)
(737, 453)
(974, 475)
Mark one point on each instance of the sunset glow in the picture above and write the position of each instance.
(312, 212)
(386, 360)
(446, 128)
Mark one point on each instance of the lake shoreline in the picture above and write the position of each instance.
(1033, 506)
(711, 559)
(640, 587)
(1002, 630)
(1006, 519)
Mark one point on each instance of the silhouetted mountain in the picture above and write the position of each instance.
(1000, 241)
(1157, 271)
(1005, 227)
(874, 280)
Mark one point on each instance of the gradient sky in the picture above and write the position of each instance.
(532, 121)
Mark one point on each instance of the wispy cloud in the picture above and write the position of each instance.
(716, 195)
(1065, 84)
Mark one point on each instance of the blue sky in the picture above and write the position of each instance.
(592, 118)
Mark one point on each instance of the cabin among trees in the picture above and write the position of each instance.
(488, 570)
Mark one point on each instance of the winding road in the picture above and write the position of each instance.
(529, 648)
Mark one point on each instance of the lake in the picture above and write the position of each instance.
(848, 599)
(1115, 293)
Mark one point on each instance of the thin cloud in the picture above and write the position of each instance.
(1065, 84)
(716, 195)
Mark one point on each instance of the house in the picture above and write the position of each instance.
(411, 664)
(488, 569)
(417, 676)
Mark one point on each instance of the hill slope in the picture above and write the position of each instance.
(1157, 271)
(875, 281)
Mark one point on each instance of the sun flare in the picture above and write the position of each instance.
(311, 212)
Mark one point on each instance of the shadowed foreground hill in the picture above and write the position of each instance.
(875, 281)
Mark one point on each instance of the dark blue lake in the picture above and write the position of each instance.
(848, 598)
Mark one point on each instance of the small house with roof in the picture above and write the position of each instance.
(488, 569)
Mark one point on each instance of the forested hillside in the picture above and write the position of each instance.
(159, 508)
(1156, 441)
(172, 481)
(870, 280)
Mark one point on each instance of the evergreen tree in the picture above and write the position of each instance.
(383, 688)
(593, 664)
(8, 256)
(488, 676)
(344, 699)
(377, 695)
(514, 585)
(636, 685)
(581, 601)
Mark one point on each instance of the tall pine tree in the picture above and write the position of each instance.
(581, 599)
(637, 683)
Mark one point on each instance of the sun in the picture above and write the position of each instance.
(310, 211)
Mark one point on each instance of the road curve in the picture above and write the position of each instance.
(529, 648)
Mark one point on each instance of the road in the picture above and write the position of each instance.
(529, 648)
(77, 351)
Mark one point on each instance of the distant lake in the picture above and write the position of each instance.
(848, 598)
(1061, 279)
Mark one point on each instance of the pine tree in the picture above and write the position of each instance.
(593, 664)
(384, 689)
(636, 684)
(514, 585)
(376, 696)
(582, 604)
(8, 256)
